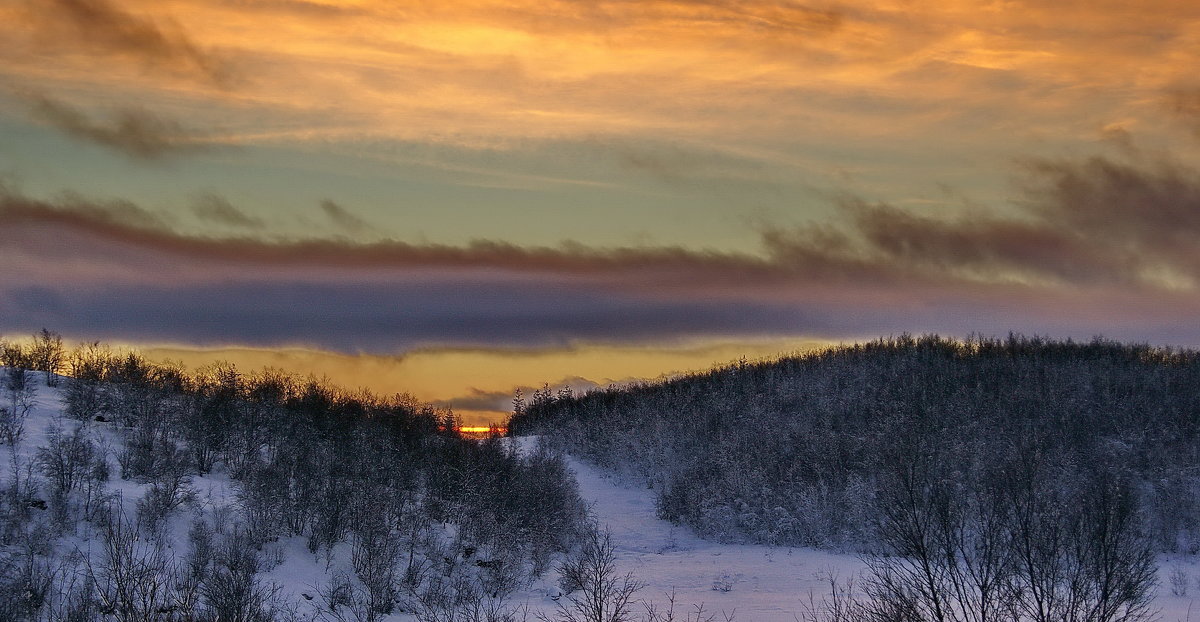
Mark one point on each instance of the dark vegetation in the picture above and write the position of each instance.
(987, 479)
(437, 526)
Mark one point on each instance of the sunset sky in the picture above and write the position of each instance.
(454, 199)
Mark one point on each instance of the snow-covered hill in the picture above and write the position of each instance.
(746, 582)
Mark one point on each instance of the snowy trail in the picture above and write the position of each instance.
(764, 584)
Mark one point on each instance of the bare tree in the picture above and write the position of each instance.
(232, 591)
(66, 459)
(375, 554)
(87, 395)
(13, 355)
(47, 355)
(344, 601)
(19, 392)
(132, 578)
(605, 595)
(945, 553)
(840, 605)
(1079, 554)
(1031, 543)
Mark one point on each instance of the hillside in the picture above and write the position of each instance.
(798, 451)
(989, 479)
(134, 491)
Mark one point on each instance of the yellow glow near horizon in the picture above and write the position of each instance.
(445, 376)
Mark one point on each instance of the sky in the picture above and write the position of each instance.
(455, 199)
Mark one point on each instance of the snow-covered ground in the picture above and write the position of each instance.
(751, 583)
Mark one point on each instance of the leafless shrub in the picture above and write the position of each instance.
(27, 584)
(655, 613)
(344, 601)
(232, 591)
(374, 554)
(605, 595)
(839, 605)
(132, 577)
(66, 459)
(1179, 579)
(468, 606)
(19, 392)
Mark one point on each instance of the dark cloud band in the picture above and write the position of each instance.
(1101, 247)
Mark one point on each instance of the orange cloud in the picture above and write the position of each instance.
(723, 73)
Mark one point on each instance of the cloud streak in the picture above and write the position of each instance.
(103, 26)
(480, 400)
(137, 133)
(343, 218)
(216, 209)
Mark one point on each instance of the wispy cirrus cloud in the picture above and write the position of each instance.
(1184, 104)
(481, 72)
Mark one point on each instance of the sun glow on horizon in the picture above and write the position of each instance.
(478, 383)
(481, 431)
